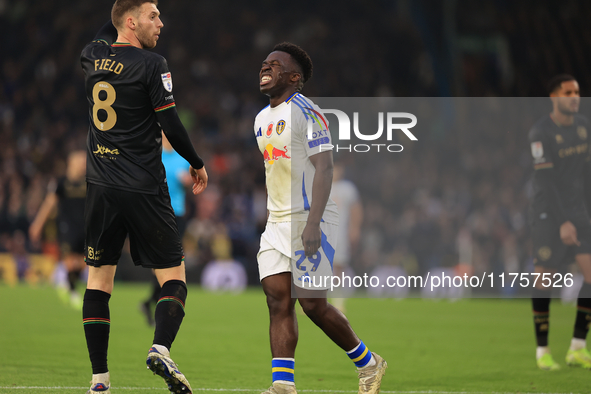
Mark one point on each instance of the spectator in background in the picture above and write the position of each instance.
(223, 273)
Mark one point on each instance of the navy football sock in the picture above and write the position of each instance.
(97, 325)
(583, 319)
(170, 311)
(541, 310)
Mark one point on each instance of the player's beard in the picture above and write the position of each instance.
(145, 38)
(566, 110)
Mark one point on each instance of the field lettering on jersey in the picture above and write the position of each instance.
(108, 65)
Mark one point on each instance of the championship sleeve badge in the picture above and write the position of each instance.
(167, 81)
(537, 150)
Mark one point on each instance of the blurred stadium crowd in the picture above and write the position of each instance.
(458, 196)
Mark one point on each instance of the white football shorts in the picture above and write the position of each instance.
(282, 251)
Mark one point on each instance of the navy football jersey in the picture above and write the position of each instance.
(125, 87)
(561, 161)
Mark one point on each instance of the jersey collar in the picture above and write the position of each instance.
(290, 97)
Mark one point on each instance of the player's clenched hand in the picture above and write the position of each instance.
(199, 179)
(568, 234)
(311, 237)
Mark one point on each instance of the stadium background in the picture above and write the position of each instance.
(448, 192)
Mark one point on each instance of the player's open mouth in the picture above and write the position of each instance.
(265, 79)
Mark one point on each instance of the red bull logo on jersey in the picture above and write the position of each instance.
(271, 154)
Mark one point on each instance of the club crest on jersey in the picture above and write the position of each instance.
(269, 130)
(280, 127)
(167, 81)
(545, 253)
(537, 150)
(582, 132)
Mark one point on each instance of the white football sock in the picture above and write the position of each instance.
(577, 344)
(285, 382)
(162, 349)
(371, 362)
(101, 378)
(541, 350)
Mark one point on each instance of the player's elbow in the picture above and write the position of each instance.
(325, 167)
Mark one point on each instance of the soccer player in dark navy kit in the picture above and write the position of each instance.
(69, 195)
(130, 99)
(561, 227)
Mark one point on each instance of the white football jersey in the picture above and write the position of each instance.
(282, 136)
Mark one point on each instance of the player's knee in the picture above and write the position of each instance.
(314, 308)
(279, 303)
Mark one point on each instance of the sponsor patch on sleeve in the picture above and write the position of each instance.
(537, 150)
(167, 81)
(318, 142)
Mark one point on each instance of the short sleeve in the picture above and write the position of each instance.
(160, 84)
(258, 131)
(316, 136)
(540, 149)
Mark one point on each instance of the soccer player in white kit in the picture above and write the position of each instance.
(300, 237)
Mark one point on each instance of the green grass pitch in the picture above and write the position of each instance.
(468, 346)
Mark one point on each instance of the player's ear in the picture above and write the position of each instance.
(130, 22)
(296, 77)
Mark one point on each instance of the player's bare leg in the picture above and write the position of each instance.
(328, 318)
(370, 366)
(578, 355)
(169, 314)
(101, 278)
(283, 331)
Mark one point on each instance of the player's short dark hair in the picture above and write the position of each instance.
(556, 82)
(299, 55)
(122, 7)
